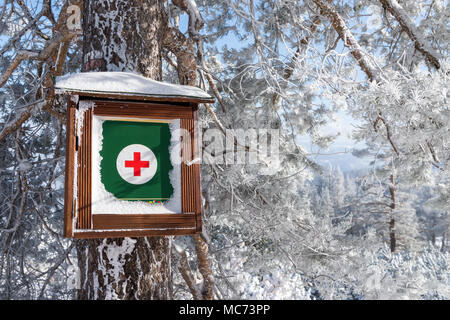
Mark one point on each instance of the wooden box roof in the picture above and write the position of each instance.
(126, 85)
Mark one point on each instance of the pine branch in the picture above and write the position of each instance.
(349, 40)
(289, 70)
(408, 27)
(388, 132)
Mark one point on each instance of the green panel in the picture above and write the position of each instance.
(119, 134)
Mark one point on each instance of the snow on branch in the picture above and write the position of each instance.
(195, 18)
(20, 118)
(45, 53)
(349, 40)
(289, 70)
(408, 27)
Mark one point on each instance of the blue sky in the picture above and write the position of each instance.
(339, 152)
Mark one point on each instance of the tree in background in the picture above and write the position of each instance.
(33, 253)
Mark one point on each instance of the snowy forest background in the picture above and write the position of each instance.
(307, 231)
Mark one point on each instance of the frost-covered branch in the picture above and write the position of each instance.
(195, 18)
(349, 40)
(409, 28)
(289, 69)
(50, 48)
(215, 90)
(388, 132)
(20, 118)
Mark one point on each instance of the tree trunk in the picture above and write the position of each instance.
(121, 35)
(444, 241)
(392, 237)
(124, 35)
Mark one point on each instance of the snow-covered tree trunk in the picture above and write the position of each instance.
(124, 35)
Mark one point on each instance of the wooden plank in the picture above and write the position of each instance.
(133, 233)
(187, 201)
(197, 171)
(190, 174)
(147, 98)
(69, 169)
(142, 110)
(84, 173)
(89, 169)
(80, 192)
(142, 221)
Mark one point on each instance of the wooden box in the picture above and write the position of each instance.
(84, 214)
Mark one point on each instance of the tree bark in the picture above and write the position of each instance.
(363, 59)
(408, 27)
(392, 237)
(125, 269)
(124, 35)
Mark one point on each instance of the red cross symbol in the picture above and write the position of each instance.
(137, 164)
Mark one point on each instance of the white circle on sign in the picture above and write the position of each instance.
(136, 164)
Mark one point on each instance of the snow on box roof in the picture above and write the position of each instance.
(126, 84)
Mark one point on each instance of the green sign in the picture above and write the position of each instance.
(135, 161)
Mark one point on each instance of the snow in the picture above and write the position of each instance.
(24, 165)
(417, 36)
(83, 106)
(79, 116)
(113, 266)
(103, 202)
(125, 83)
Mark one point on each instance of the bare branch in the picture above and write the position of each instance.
(23, 116)
(14, 39)
(24, 55)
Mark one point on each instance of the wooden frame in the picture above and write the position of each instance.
(79, 222)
